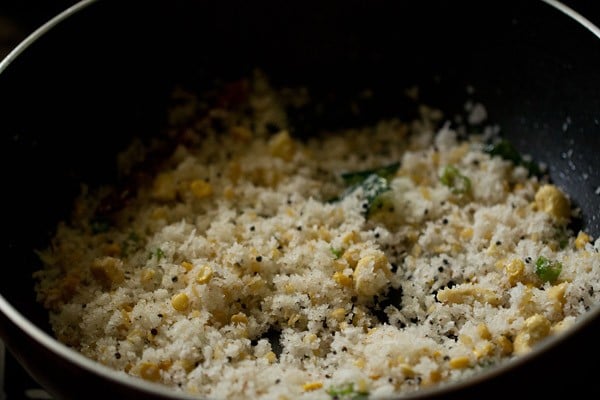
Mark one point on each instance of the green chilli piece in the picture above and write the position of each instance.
(346, 391)
(159, 253)
(457, 182)
(337, 253)
(547, 270)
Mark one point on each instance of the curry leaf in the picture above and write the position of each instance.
(387, 172)
(372, 182)
(507, 151)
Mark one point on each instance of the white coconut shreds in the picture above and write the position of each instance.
(367, 262)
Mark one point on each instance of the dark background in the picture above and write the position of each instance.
(18, 18)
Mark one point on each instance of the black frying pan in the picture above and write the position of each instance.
(77, 91)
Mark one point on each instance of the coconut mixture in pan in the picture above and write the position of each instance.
(359, 263)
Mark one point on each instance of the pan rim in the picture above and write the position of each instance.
(586, 23)
(42, 30)
(78, 359)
